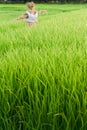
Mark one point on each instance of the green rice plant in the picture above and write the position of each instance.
(43, 70)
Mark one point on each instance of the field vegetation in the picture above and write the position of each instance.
(43, 69)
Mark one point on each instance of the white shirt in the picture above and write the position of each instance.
(32, 17)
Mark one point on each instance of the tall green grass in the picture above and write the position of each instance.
(43, 72)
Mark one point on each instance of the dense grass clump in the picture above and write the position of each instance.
(43, 69)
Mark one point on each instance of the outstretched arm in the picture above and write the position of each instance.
(22, 17)
(42, 12)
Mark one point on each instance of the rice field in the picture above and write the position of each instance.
(43, 69)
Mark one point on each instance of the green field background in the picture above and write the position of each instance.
(43, 69)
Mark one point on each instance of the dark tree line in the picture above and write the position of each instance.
(69, 1)
(47, 1)
(60, 1)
